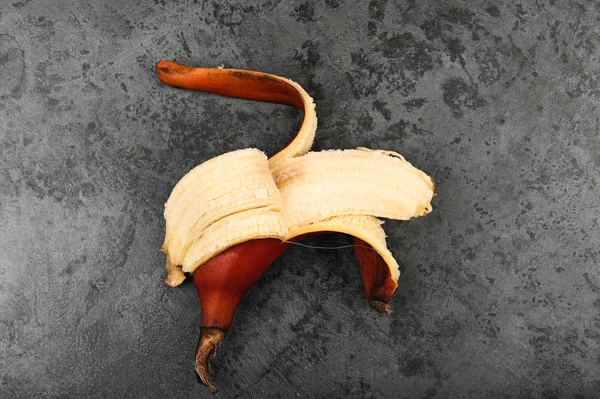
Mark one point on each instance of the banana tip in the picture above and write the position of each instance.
(210, 339)
(380, 307)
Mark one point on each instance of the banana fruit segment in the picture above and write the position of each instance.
(228, 187)
(320, 185)
(234, 229)
(236, 197)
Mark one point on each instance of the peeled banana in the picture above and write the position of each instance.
(230, 217)
(236, 197)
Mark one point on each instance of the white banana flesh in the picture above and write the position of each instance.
(237, 181)
(320, 185)
(234, 229)
(242, 195)
(236, 197)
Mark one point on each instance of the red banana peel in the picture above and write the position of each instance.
(222, 281)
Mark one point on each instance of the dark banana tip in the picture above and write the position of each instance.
(210, 339)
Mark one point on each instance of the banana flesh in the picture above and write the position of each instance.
(236, 197)
(233, 183)
(242, 195)
(234, 229)
(323, 184)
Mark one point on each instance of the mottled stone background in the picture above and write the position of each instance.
(498, 101)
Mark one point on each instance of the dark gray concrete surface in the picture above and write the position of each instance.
(498, 101)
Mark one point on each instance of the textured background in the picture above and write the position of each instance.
(498, 101)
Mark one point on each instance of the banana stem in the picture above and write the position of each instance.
(209, 341)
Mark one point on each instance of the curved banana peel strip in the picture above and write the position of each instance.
(363, 227)
(249, 85)
(378, 268)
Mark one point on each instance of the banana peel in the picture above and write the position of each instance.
(229, 218)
